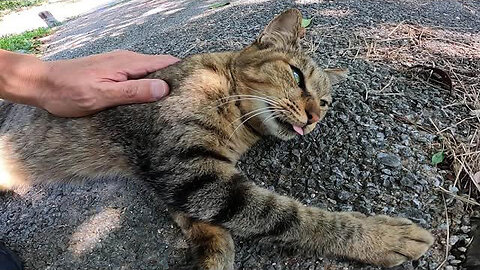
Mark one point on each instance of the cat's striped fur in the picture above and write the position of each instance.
(187, 145)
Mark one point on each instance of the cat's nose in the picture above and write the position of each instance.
(312, 117)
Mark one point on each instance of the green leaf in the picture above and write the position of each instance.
(438, 158)
(218, 5)
(306, 22)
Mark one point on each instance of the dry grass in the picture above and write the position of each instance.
(453, 50)
(408, 44)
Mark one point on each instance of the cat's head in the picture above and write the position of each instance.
(281, 89)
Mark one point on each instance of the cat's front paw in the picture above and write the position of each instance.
(393, 241)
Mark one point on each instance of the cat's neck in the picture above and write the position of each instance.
(204, 86)
(242, 134)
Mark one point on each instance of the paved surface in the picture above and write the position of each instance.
(360, 158)
(28, 19)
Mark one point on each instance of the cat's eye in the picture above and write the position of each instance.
(323, 103)
(298, 77)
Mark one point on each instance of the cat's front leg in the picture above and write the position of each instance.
(379, 240)
(250, 211)
(212, 245)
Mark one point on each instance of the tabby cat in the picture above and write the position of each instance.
(187, 145)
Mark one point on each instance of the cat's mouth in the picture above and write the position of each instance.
(290, 127)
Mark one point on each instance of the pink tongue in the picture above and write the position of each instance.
(298, 129)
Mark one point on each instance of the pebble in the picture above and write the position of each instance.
(465, 229)
(453, 189)
(390, 160)
(455, 262)
(344, 195)
(453, 239)
(407, 181)
(380, 137)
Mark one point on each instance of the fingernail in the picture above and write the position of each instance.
(159, 89)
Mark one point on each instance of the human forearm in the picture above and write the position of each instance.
(20, 77)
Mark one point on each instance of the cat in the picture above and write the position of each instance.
(186, 147)
(472, 260)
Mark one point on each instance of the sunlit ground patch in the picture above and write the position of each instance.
(94, 230)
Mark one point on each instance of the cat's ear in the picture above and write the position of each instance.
(336, 75)
(284, 31)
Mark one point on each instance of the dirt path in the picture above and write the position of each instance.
(366, 156)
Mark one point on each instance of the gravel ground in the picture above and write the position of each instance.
(362, 157)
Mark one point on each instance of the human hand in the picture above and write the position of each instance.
(83, 86)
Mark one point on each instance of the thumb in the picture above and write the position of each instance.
(137, 91)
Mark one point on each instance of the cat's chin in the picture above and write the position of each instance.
(283, 130)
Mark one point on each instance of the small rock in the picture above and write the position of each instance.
(389, 160)
(453, 189)
(455, 262)
(453, 240)
(387, 180)
(387, 172)
(380, 137)
(465, 229)
(344, 195)
(407, 181)
(417, 203)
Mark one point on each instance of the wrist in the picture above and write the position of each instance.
(22, 78)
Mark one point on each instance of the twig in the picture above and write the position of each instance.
(395, 29)
(456, 124)
(431, 121)
(388, 94)
(458, 197)
(366, 88)
(387, 85)
(447, 240)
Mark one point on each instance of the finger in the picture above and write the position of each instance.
(135, 91)
(139, 65)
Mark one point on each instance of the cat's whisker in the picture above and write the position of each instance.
(247, 95)
(244, 121)
(274, 115)
(240, 99)
(270, 101)
(269, 108)
(221, 104)
(251, 112)
(262, 98)
(268, 118)
(273, 99)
